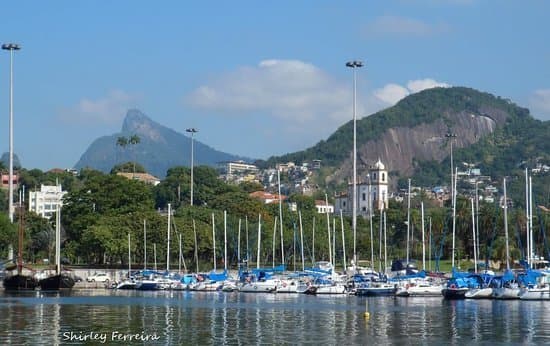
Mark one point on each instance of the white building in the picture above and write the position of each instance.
(46, 201)
(236, 167)
(375, 186)
(323, 208)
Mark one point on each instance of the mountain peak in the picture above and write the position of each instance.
(134, 120)
(159, 149)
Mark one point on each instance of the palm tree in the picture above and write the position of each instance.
(133, 140)
(122, 142)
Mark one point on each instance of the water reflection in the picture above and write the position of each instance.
(233, 318)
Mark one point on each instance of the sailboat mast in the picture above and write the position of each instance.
(380, 243)
(334, 243)
(474, 236)
(313, 242)
(239, 243)
(294, 249)
(259, 240)
(385, 245)
(214, 240)
(454, 178)
(477, 222)
(430, 244)
(423, 239)
(196, 247)
(281, 216)
(527, 216)
(168, 241)
(225, 239)
(328, 231)
(20, 245)
(155, 254)
(532, 253)
(343, 240)
(144, 244)
(58, 240)
(246, 231)
(506, 226)
(408, 217)
(371, 242)
(129, 257)
(274, 237)
(179, 257)
(301, 240)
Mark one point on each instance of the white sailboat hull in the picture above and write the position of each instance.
(535, 294)
(425, 291)
(291, 286)
(267, 286)
(205, 286)
(333, 289)
(506, 293)
(479, 293)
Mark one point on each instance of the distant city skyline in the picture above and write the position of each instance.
(257, 79)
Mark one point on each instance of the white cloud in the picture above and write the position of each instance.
(292, 98)
(109, 109)
(540, 103)
(286, 89)
(392, 93)
(402, 27)
(421, 84)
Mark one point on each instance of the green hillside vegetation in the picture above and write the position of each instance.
(102, 209)
(423, 107)
(521, 142)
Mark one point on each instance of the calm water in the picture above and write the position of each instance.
(177, 318)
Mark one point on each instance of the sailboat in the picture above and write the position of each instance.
(20, 282)
(508, 287)
(129, 283)
(417, 284)
(212, 281)
(58, 281)
(153, 280)
(259, 280)
(459, 283)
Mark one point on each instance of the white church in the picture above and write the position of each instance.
(372, 193)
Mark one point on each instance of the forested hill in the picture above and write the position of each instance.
(410, 136)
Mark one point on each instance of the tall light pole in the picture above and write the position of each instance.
(192, 131)
(11, 47)
(354, 65)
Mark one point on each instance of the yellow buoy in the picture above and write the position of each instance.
(367, 313)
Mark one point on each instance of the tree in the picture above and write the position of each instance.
(134, 140)
(8, 234)
(127, 167)
(122, 142)
(102, 196)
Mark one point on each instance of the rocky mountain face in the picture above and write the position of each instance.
(400, 147)
(412, 131)
(159, 148)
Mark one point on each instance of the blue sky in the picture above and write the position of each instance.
(257, 78)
